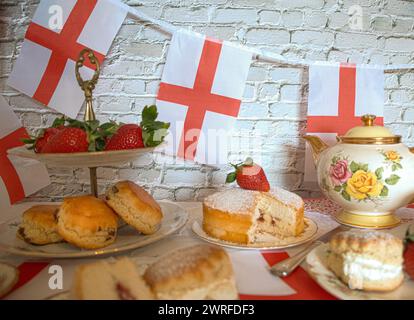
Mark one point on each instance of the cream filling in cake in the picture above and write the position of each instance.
(360, 269)
(270, 223)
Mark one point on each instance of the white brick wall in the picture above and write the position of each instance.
(273, 115)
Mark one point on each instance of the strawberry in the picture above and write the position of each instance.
(67, 140)
(409, 253)
(37, 143)
(249, 175)
(42, 140)
(128, 136)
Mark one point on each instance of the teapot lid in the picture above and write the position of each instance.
(369, 133)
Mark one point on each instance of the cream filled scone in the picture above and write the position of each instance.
(367, 260)
(196, 273)
(39, 225)
(87, 222)
(248, 217)
(135, 206)
(110, 280)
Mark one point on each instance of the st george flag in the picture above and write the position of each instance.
(59, 31)
(18, 177)
(339, 94)
(200, 95)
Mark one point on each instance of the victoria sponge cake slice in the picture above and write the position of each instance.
(248, 217)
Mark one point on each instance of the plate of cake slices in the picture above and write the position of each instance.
(363, 265)
(84, 226)
(247, 219)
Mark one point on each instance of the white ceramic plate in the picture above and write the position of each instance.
(82, 159)
(127, 238)
(311, 229)
(317, 268)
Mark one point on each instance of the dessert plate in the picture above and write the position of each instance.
(127, 238)
(311, 228)
(82, 159)
(317, 268)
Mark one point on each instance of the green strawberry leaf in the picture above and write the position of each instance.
(379, 173)
(392, 179)
(149, 113)
(28, 141)
(153, 132)
(59, 122)
(92, 125)
(384, 192)
(231, 177)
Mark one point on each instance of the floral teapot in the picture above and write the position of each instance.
(369, 172)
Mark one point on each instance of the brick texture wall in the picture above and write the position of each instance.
(273, 113)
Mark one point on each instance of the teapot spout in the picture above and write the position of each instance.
(317, 146)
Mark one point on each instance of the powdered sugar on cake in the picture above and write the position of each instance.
(238, 201)
(287, 197)
(241, 201)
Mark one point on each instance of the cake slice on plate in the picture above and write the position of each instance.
(248, 217)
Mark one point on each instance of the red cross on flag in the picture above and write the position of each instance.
(60, 29)
(200, 95)
(18, 177)
(339, 94)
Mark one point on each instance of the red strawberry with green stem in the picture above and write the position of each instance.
(67, 140)
(128, 136)
(38, 143)
(249, 175)
(409, 253)
(149, 133)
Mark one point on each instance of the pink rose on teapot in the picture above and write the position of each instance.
(339, 172)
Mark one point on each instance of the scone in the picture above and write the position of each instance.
(195, 273)
(87, 222)
(105, 280)
(39, 225)
(248, 217)
(135, 206)
(367, 260)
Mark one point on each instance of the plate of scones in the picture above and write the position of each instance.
(363, 265)
(250, 219)
(127, 217)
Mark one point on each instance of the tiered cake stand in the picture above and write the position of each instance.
(91, 160)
